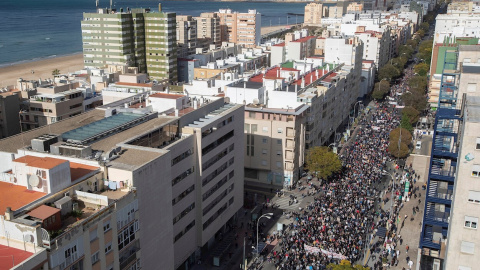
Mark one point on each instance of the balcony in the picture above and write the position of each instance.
(436, 217)
(440, 195)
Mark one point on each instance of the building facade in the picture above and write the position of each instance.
(240, 28)
(132, 38)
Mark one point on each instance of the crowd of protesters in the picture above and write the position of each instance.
(341, 217)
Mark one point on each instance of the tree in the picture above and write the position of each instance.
(399, 62)
(398, 152)
(380, 89)
(421, 69)
(395, 135)
(421, 33)
(323, 162)
(56, 72)
(346, 265)
(405, 124)
(425, 26)
(415, 99)
(411, 114)
(388, 72)
(418, 82)
(425, 50)
(412, 43)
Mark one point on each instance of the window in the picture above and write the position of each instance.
(264, 163)
(279, 153)
(280, 130)
(93, 235)
(464, 268)
(95, 258)
(251, 114)
(106, 226)
(474, 196)
(264, 140)
(252, 152)
(254, 128)
(264, 151)
(467, 247)
(126, 236)
(108, 248)
(471, 222)
(279, 141)
(279, 164)
(476, 170)
(478, 144)
(265, 129)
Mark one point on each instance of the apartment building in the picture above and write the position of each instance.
(54, 102)
(449, 236)
(126, 172)
(377, 46)
(132, 38)
(9, 112)
(240, 28)
(297, 46)
(456, 25)
(208, 29)
(354, 7)
(313, 14)
(186, 35)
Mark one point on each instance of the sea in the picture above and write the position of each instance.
(36, 29)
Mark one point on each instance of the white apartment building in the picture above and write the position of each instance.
(171, 180)
(456, 25)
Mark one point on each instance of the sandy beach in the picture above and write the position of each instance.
(43, 68)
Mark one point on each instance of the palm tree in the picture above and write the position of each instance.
(56, 72)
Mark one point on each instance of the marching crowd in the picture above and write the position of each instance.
(340, 218)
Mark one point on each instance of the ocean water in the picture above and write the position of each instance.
(36, 29)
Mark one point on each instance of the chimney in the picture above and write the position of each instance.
(303, 82)
(159, 7)
(9, 213)
(316, 73)
(176, 112)
(222, 75)
(296, 88)
(126, 105)
(195, 104)
(278, 73)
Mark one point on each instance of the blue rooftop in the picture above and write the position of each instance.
(101, 128)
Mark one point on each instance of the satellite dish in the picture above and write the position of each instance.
(33, 180)
(255, 101)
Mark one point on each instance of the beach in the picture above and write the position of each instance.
(43, 68)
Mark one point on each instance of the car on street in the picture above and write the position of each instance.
(418, 145)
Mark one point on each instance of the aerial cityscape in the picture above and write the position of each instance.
(276, 135)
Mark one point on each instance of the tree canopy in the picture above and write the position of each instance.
(380, 89)
(421, 69)
(395, 134)
(394, 150)
(56, 72)
(411, 114)
(322, 162)
(405, 124)
(388, 72)
(418, 82)
(414, 99)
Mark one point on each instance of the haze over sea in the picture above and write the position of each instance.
(36, 29)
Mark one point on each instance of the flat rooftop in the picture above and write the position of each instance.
(12, 256)
(96, 128)
(40, 162)
(132, 158)
(107, 143)
(212, 116)
(16, 197)
(13, 143)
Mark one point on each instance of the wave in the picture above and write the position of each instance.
(37, 59)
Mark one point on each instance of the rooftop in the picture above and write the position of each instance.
(43, 212)
(131, 158)
(78, 170)
(134, 84)
(13, 143)
(40, 162)
(106, 144)
(16, 196)
(12, 256)
(166, 96)
(304, 39)
(95, 129)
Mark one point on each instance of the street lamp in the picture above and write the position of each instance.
(268, 216)
(393, 189)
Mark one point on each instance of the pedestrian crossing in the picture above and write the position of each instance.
(282, 203)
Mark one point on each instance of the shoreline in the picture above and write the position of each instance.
(43, 66)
